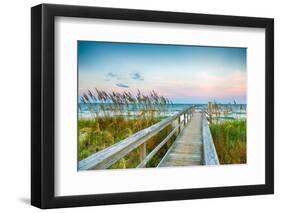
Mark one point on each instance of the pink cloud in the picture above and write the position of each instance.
(201, 86)
(233, 84)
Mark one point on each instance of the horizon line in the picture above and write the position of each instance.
(229, 103)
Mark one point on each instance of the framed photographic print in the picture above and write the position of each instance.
(140, 106)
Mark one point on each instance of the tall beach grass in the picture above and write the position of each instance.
(111, 121)
(230, 139)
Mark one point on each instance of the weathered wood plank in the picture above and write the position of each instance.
(187, 150)
(110, 155)
(193, 146)
(156, 149)
(210, 153)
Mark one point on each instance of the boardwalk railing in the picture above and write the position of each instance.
(209, 150)
(107, 157)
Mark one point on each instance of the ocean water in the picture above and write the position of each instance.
(94, 109)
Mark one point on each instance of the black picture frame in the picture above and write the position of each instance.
(43, 105)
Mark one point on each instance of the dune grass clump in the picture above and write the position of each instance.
(115, 116)
(122, 104)
(230, 141)
(96, 135)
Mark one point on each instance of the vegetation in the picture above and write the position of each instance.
(116, 117)
(230, 141)
(218, 112)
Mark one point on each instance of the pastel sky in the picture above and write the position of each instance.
(184, 74)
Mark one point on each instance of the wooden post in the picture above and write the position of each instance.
(210, 112)
(179, 122)
(108, 156)
(143, 151)
(184, 117)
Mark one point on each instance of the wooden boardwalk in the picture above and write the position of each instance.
(188, 147)
(193, 145)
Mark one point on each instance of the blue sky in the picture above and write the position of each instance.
(184, 74)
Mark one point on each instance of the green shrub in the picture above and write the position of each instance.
(230, 141)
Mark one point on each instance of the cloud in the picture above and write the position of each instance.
(122, 85)
(111, 75)
(137, 76)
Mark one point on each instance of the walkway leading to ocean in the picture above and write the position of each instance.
(188, 147)
(193, 144)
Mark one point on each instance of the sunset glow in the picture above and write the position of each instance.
(184, 74)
